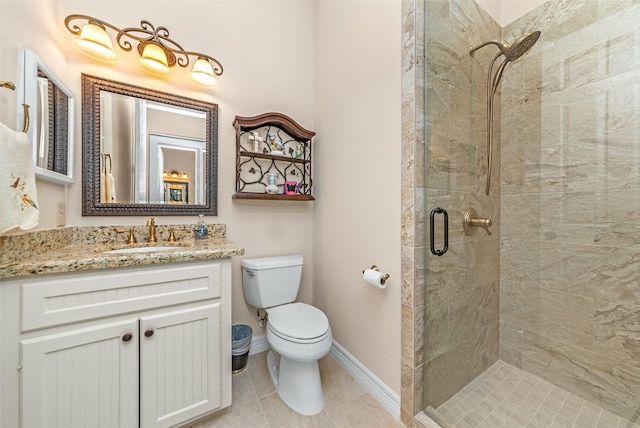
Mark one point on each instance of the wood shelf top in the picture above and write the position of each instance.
(278, 197)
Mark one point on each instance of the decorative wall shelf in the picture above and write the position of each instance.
(273, 153)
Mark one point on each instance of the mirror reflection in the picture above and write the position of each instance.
(145, 145)
(149, 152)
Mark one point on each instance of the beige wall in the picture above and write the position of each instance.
(357, 178)
(507, 11)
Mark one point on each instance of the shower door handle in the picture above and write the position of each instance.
(445, 220)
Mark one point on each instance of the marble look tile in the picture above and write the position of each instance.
(610, 384)
(510, 344)
(356, 407)
(622, 94)
(486, 347)
(279, 415)
(471, 312)
(245, 411)
(464, 117)
(408, 277)
(339, 387)
(439, 10)
(419, 388)
(520, 304)
(259, 373)
(364, 411)
(447, 374)
(567, 317)
(617, 330)
(471, 23)
(520, 216)
(437, 335)
(466, 265)
(448, 56)
(425, 421)
(438, 105)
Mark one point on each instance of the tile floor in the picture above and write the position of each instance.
(256, 404)
(505, 396)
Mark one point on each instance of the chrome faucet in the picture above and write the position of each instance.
(152, 230)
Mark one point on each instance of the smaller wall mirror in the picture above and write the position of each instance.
(50, 119)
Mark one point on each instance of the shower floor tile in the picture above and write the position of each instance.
(505, 396)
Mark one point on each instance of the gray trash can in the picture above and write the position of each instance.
(240, 344)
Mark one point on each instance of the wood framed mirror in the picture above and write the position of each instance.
(136, 140)
(50, 119)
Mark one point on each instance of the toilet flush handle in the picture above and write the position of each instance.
(251, 272)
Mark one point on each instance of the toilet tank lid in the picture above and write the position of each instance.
(272, 262)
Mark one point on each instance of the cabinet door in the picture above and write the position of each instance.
(81, 378)
(180, 365)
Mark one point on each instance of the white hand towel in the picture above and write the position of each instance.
(18, 199)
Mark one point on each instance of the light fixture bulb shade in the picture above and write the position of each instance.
(96, 43)
(154, 60)
(202, 74)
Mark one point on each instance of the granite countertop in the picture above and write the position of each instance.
(84, 248)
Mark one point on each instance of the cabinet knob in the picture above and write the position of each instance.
(127, 337)
(149, 332)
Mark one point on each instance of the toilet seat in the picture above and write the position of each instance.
(298, 322)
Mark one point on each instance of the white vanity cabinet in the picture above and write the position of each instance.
(144, 346)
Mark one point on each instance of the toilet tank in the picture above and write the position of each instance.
(271, 281)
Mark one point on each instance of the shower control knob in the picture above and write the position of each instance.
(471, 219)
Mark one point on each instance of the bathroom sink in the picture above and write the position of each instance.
(141, 250)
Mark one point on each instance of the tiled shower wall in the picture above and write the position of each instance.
(570, 202)
(462, 287)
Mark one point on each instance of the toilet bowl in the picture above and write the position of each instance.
(298, 334)
(296, 347)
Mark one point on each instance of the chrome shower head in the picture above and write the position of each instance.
(513, 51)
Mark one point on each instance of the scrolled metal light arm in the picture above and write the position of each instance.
(146, 33)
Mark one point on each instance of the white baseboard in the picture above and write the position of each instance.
(376, 387)
(365, 377)
(258, 344)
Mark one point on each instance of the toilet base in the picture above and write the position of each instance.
(297, 383)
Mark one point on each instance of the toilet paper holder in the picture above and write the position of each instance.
(384, 278)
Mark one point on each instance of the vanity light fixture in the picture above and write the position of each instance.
(158, 53)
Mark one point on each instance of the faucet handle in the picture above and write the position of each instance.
(132, 238)
(172, 237)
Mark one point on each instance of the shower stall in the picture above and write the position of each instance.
(533, 320)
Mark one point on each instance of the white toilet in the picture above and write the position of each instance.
(299, 334)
